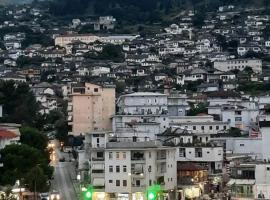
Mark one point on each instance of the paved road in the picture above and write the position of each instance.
(64, 174)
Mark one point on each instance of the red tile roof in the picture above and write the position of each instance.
(5, 134)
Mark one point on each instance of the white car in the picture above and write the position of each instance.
(54, 196)
(44, 196)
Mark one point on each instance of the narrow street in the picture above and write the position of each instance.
(64, 174)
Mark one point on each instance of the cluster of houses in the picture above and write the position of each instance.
(146, 132)
(150, 138)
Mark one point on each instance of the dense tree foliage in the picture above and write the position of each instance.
(141, 10)
(19, 103)
(20, 161)
(34, 138)
(109, 52)
(198, 109)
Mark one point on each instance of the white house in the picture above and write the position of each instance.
(240, 64)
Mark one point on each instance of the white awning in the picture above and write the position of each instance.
(241, 182)
(98, 182)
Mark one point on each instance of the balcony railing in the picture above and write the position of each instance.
(97, 159)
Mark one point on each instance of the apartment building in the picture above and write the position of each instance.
(199, 124)
(142, 112)
(239, 116)
(91, 108)
(123, 168)
(134, 166)
(240, 64)
(198, 161)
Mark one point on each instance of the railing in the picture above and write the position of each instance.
(98, 159)
(137, 159)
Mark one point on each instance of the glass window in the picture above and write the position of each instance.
(110, 181)
(117, 168)
(110, 168)
(198, 152)
(110, 155)
(124, 155)
(125, 183)
(124, 168)
(117, 155)
(182, 152)
(117, 183)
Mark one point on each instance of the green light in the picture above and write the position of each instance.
(151, 196)
(88, 194)
(153, 192)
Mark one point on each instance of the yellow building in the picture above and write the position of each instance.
(91, 108)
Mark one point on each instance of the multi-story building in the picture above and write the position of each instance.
(91, 108)
(198, 161)
(123, 168)
(90, 38)
(199, 124)
(142, 111)
(240, 64)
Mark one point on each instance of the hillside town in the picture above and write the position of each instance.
(186, 107)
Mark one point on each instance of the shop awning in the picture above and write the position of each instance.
(98, 182)
(241, 182)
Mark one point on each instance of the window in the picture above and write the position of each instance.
(110, 155)
(110, 168)
(217, 127)
(138, 183)
(149, 168)
(224, 127)
(100, 154)
(117, 169)
(238, 119)
(95, 89)
(206, 139)
(110, 181)
(125, 183)
(117, 183)
(210, 127)
(242, 145)
(194, 128)
(268, 168)
(150, 182)
(202, 127)
(117, 155)
(124, 168)
(198, 152)
(124, 155)
(182, 152)
(149, 155)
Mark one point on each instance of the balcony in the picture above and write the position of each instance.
(97, 159)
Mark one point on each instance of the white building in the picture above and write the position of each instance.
(240, 64)
(124, 169)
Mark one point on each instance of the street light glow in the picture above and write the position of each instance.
(88, 194)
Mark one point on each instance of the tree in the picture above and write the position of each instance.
(112, 52)
(37, 179)
(195, 110)
(34, 138)
(120, 86)
(19, 160)
(19, 103)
